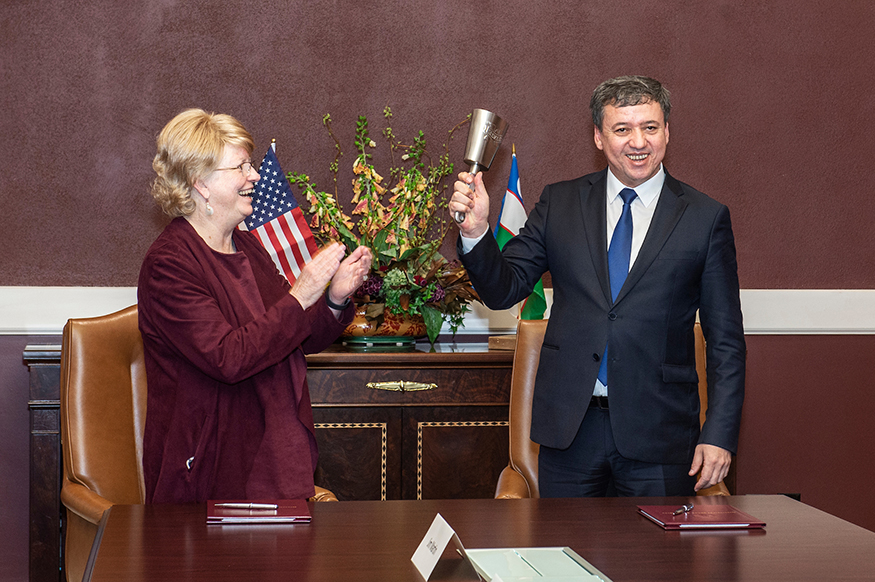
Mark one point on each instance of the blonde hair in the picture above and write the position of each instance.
(190, 147)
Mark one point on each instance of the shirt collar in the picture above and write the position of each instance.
(647, 192)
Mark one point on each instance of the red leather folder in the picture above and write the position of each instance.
(705, 516)
(263, 512)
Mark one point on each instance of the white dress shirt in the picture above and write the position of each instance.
(642, 214)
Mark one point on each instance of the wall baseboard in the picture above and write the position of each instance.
(45, 310)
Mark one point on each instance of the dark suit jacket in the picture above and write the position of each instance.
(686, 263)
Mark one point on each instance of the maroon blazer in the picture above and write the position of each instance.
(228, 411)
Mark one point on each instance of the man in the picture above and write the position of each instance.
(633, 254)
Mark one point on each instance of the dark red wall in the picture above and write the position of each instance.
(771, 109)
(807, 425)
(772, 115)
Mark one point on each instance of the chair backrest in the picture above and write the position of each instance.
(523, 451)
(703, 375)
(103, 405)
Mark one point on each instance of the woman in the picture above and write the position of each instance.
(228, 410)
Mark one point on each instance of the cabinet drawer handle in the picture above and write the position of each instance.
(400, 386)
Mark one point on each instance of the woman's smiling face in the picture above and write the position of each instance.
(231, 186)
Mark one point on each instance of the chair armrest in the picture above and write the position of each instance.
(718, 489)
(323, 494)
(84, 502)
(511, 485)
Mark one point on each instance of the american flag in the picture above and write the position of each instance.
(278, 221)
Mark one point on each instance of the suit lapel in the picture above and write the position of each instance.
(669, 209)
(593, 209)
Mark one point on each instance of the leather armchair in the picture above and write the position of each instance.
(103, 411)
(519, 480)
(103, 414)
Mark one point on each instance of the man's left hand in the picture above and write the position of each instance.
(713, 462)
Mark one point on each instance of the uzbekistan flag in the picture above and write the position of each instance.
(278, 221)
(510, 221)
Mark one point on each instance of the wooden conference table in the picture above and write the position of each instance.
(374, 540)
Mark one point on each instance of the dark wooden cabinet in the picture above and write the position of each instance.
(411, 452)
(453, 453)
(359, 452)
(45, 462)
(443, 436)
(446, 437)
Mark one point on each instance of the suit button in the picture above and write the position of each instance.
(612, 316)
(596, 357)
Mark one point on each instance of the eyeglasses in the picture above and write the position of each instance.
(245, 167)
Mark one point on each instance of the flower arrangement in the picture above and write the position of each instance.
(404, 222)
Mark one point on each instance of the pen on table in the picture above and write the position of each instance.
(683, 509)
(247, 505)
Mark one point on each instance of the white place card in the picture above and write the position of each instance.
(432, 546)
(551, 564)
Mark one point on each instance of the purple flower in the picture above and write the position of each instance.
(371, 287)
(438, 294)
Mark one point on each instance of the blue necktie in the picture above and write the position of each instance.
(619, 254)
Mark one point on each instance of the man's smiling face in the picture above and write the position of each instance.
(634, 139)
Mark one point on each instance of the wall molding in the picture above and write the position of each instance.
(45, 310)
